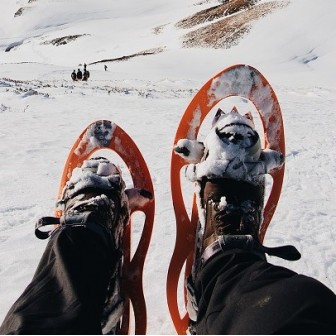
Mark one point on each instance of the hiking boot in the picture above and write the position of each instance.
(94, 198)
(233, 215)
(231, 208)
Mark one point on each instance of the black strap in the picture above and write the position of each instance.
(45, 221)
(70, 221)
(247, 242)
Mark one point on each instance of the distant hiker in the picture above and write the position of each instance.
(73, 75)
(86, 75)
(105, 67)
(79, 74)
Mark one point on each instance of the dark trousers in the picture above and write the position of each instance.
(68, 290)
(239, 293)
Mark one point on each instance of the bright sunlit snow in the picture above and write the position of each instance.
(42, 112)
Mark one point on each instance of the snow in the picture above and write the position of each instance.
(93, 173)
(231, 149)
(42, 113)
(95, 138)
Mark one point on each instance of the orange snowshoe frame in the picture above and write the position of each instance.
(122, 144)
(238, 80)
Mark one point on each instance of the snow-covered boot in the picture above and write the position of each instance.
(232, 188)
(94, 197)
(229, 170)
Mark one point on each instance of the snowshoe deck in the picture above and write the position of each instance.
(237, 80)
(104, 134)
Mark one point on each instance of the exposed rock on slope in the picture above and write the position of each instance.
(233, 20)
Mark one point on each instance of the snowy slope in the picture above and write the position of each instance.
(42, 112)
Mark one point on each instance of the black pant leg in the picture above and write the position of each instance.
(67, 292)
(239, 293)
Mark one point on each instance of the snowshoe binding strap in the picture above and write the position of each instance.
(248, 243)
(45, 227)
(48, 223)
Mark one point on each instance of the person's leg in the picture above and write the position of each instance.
(68, 290)
(237, 290)
(80, 269)
(241, 293)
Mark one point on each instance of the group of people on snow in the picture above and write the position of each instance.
(80, 75)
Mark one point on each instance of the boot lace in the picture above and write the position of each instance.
(240, 219)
